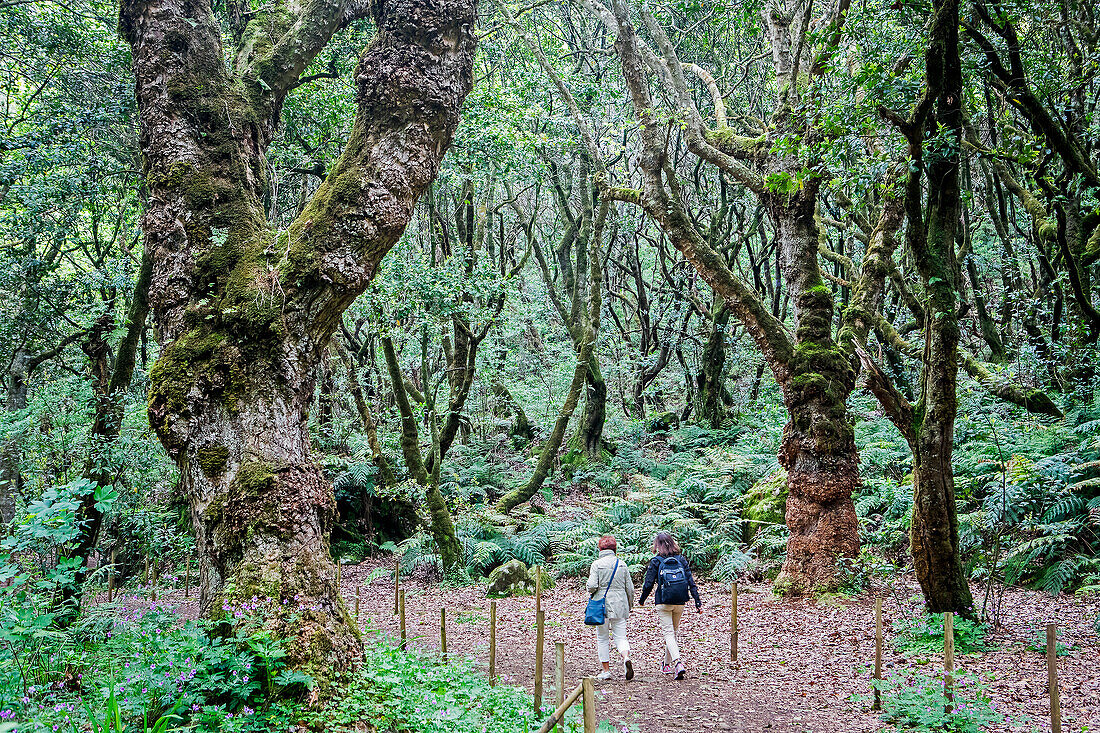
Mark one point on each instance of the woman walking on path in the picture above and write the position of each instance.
(610, 579)
(670, 572)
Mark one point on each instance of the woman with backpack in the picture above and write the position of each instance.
(669, 571)
(611, 598)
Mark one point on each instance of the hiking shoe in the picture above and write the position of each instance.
(681, 671)
(629, 669)
(666, 668)
(605, 675)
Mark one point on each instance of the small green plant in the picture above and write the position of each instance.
(111, 719)
(919, 702)
(1038, 643)
(922, 635)
(868, 569)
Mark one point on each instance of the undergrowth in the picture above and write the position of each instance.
(413, 692)
(914, 701)
(923, 635)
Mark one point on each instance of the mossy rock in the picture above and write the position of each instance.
(766, 501)
(513, 578)
(662, 422)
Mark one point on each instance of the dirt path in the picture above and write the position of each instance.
(800, 663)
(803, 666)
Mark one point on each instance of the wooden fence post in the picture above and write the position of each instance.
(358, 593)
(492, 643)
(540, 620)
(949, 659)
(1052, 679)
(111, 579)
(733, 623)
(443, 631)
(396, 585)
(559, 677)
(589, 706)
(538, 590)
(401, 615)
(339, 568)
(187, 578)
(878, 654)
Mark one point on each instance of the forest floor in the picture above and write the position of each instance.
(802, 665)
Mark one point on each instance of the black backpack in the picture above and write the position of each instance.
(672, 581)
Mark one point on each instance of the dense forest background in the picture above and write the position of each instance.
(810, 285)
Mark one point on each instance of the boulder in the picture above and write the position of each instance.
(766, 501)
(513, 578)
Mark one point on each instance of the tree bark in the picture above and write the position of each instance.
(818, 448)
(931, 236)
(711, 389)
(590, 425)
(246, 312)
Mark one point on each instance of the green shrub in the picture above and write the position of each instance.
(141, 666)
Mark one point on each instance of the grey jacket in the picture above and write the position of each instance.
(620, 597)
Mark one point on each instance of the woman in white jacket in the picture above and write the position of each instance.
(610, 579)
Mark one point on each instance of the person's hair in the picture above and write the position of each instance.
(607, 542)
(664, 544)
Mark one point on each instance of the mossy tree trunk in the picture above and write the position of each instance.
(590, 425)
(933, 208)
(245, 312)
(931, 236)
(712, 394)
(587, 319)
(818, 448)
(571, 288)
(521, 427)
(439, 515)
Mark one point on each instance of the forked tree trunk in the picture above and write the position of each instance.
(246, 312)
(818, 446)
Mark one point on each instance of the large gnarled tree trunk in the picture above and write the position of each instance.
(818, 448)
(245, 312)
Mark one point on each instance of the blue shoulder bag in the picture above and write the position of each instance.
(595, 613)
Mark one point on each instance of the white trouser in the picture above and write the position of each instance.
(612, 627)
(669, 618)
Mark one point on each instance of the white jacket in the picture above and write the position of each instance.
(620, 597)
